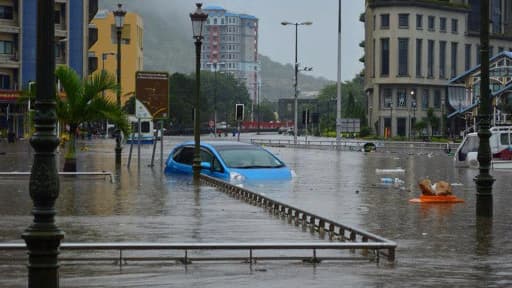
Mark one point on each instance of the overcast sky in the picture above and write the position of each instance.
(317, 45)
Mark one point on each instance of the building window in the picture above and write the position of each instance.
(401, 98)
(455, 24)
(431, 23)
(384, 21)
(6, 12)
(403, 21)
(419, 21)
(6, 47)
(403, 59)
(419, 57)
(384, 67)
(5, 82)
(442, 59)
(437, 99)
(57, 16)
(374, 22)
(491, 51)
(387, 97)
(454, 59)
(424, 99)
(442, 24)
(500, 49)
(467, 57)
(430, 59)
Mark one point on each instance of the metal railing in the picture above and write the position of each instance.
(187, 257)
(358, 145)
(322, 225)
(97, 173)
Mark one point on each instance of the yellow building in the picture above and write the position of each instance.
(102, 54)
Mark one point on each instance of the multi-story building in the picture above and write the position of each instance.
(412, 50)
(231, 41)
(18, 39)
(104, 52)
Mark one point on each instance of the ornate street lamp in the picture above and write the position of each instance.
(484, 180)
(198, 19)
(43, 236)
(119, 19)
(295, 85)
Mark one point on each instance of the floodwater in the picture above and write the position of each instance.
(442, 245)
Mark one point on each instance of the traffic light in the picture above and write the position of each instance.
(239, 112)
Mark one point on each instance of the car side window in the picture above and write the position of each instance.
(216, 166)
(185, 156)
(206, 156)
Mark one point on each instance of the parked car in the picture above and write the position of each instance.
(231, 161)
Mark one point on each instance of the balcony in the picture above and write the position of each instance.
(9, 26)
(60, 60)
(9, 60)
(60, 30)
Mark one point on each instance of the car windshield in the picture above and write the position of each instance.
(248, 157)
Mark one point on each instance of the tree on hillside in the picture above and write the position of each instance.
(83, 102)
(218, 92)
(353, 103)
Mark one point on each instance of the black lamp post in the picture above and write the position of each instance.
(119, 19)
(484, 179)
(391, 118)
(410, 119)
(414, 115)
(198, 18)
(295, 85)
(43, 236)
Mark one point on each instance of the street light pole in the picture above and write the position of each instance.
(43, 236)
(119, 19)
(484, 179)
(103, 59)
(198, 18)
(258, 90)
(410, 120)
(215, 67)
(414, 116)
(296, 80)
(338, 83)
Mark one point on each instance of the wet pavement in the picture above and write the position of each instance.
(442, 245)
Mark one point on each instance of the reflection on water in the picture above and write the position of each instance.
(438, 244)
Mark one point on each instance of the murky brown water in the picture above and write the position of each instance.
(438, 245)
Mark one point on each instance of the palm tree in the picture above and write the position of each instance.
(83, 102)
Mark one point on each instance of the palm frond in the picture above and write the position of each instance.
(97, 83)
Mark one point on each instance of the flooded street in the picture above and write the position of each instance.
(442, 245)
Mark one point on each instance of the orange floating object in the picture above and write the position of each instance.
(437, 199)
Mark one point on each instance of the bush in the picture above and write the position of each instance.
(365, 131)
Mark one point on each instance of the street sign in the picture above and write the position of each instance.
(350, 125)
(152, 90)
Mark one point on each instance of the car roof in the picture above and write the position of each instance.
(219, 144)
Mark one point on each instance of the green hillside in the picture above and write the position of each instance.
(168, 46)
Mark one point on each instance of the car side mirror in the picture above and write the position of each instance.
(206, 165)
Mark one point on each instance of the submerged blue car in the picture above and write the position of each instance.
(230, 161)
